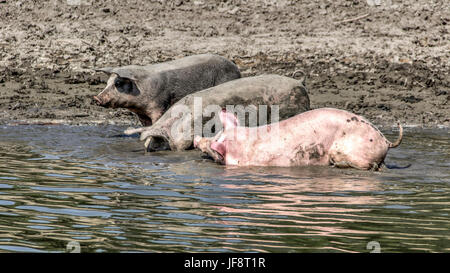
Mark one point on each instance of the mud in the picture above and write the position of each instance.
(386, 62)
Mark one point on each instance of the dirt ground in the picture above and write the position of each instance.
(387, 60)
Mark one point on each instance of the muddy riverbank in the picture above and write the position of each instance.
(387, 62)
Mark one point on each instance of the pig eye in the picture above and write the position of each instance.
(119, 82)
(123, 85)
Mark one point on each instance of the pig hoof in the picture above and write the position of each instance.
(147, 142)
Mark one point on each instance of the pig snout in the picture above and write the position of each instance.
(97, 100)
(202, 143)
(104, 99)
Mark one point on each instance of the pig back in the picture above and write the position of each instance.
(271, 90)
(166, 83)
(180, 81)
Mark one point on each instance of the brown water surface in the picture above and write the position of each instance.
(91, 187)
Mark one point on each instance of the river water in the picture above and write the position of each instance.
(89, 189)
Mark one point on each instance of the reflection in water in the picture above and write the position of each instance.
(67, 183)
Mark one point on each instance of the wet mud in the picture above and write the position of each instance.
(387, 62)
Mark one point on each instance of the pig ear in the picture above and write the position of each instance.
(121, 72)
(228, 120)
(107, 70)
(303, 77)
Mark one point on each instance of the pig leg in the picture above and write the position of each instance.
(148, 117)
(347, 164)
(349, 152)
(156, 114)
(149, 144)
(350, 160)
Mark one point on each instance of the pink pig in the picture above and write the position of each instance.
(323, 136)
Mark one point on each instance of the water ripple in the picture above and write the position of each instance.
(109, 197)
